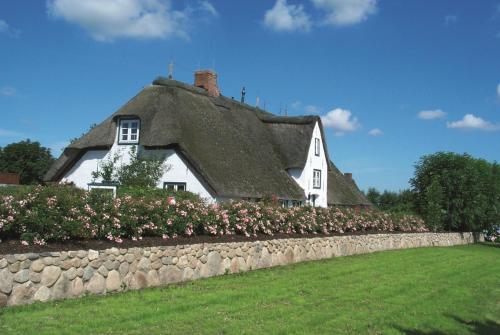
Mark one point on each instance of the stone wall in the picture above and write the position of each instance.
(26, 278)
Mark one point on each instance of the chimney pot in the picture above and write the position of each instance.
(348, 175)
(207, 79)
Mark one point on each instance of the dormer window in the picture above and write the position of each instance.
(316, 146)
(129, 131)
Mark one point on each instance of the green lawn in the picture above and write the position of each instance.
(453, 290)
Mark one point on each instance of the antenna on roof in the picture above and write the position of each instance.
(171, 69)
(280, 108)
(243, 92)
(257, 102)
(286, 110)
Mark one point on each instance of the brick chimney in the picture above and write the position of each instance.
(348, 175)
(207, 79)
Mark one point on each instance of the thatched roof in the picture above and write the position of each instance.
(343, 191)
(237, 150)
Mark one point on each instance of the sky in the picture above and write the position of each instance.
(392, 80)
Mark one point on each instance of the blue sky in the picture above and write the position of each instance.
(393, 80)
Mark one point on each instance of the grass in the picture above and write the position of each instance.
(434, 291)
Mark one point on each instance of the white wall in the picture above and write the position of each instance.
(304, 177)
(177, 170)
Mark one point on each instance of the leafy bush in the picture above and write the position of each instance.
(457, 192)
(62, 212)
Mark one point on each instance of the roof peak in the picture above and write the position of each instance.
(263, 115)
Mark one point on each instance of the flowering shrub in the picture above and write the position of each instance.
(493, 235)
(59, 213)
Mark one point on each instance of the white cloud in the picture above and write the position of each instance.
(498, 90)
(311, 109)
(111, 19)
(208, 7)
(285, 17)
(450, 19)
(472, 122)
(431, 114)
(8, 91)
(341, 121)
(8, 30)
(10, 133)
(346, 12)
(375, 132)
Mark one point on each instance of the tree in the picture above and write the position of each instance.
(141, 171)
(470, 191)
(433, 211)
(29, 159)
(373, 195)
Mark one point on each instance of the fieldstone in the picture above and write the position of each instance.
(50, 275)
(5, 281)
(187, 274)
(67, 264)
(37, 265)
(156, 265)
(79, 272)
(238, 264)
(129, 258)
(76, 287)
(153, 278)
(10, 258)
(25, 264)
(81, 254)
(212, 266)
(103, 271)
(20, 257)
(35, 277)
(88, 273)
(144, 264)
(63, 256)
(113, 281)
(3, 300)
(22, 294)
(14, 267)
(71, 273)
(123, 269)
(109, 265)
(22, 276)
(132, 267)
(265, 259)
(48, 260)
(93, 255)
(3, 263)
(170, 274)
(167, 260)
(32, 256)
(95, 263)
(141, 279)
(97, 284)
(42, 294)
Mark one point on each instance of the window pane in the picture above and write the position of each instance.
(133, 137)
(124, 130)
(170, 187)
(125, 125)
(133, 130)
(124, 137)
(134, 125)
(180, 187)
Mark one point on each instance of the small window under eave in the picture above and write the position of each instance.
(129, 131)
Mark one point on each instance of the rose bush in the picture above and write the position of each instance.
(60, 212)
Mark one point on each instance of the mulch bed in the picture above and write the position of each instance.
(15, 246)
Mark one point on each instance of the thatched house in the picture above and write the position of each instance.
(215, 146)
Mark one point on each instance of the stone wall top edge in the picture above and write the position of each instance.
(214, 245)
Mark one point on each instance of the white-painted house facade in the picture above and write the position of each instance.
(213, 146)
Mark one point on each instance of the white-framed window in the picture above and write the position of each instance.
(129, 131)
(316, 146)
(174, 186)
(103, 188)
(316, 178)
